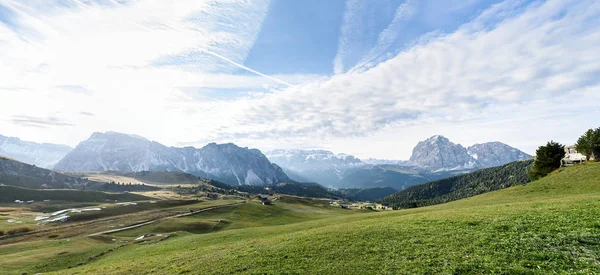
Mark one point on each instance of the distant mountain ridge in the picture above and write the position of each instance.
(122, 152)
(314, 165)
(44, 155)
(434, 158)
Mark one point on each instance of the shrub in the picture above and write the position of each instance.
(18, 230)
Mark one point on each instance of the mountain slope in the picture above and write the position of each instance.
(16, 173)
(492, 154)
(45, 155)
(223, 162)
(462, 186)
(545, 227)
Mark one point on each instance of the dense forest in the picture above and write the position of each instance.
(462, 186)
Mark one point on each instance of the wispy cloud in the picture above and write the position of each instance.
(368, 31)
(388, 36)
(87, 114)
(534, 58)
(41, 122)
(74, 88)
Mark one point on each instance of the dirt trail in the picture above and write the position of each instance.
(164, 218)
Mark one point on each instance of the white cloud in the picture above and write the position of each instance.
(101, 59)
(534, 61)
(521, 75)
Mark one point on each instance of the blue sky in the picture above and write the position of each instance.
(369, 78)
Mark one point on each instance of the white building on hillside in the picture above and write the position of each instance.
(572, 156)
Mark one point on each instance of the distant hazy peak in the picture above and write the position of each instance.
(116, 135)
(40, 154)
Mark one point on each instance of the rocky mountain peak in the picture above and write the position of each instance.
(439, 153)
(228, 163)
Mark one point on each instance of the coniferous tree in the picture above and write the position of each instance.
(547, 159)
(589, 143)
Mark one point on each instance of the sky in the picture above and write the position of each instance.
(368, 78)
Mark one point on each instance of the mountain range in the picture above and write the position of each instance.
(434, 158)
(227, 163)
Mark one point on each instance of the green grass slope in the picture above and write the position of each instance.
(548, 226)
(11, 193)
(462, 186)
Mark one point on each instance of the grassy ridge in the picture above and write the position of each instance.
(11, 193)
(16, 173)
(548, 226)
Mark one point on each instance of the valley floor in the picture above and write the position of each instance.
(548, 226)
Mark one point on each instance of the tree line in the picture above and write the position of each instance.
(460, 187)
(548, 157)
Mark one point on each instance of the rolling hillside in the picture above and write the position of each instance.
(16, 173)
(11, 193)
(157, 178)
(547, 226)
(462, 186)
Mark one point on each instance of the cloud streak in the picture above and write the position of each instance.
(244, 67)
(40, 122)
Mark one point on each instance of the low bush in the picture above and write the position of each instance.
(18, 230)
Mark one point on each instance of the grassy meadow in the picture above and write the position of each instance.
(550, 226)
